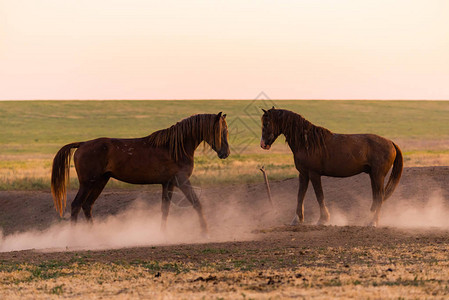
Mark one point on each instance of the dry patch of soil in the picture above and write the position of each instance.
(250, 253)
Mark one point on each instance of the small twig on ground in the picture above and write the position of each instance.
(267, 185)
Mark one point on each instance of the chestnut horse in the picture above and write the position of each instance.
(164, 157)
(319, 152)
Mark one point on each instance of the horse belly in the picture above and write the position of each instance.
(143, 172)
(346, 165)
(345, 171)
(141, 166)
(334, 165)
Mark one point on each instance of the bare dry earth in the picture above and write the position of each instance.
(251, 252)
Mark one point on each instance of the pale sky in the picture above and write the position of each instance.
(234, 49)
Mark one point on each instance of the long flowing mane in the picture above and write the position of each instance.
(198, 128)
(299, 132)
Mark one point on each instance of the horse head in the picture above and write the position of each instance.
(270, 130)
(219, 142)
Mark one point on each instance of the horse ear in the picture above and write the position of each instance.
(273, 107)
(224, 116)
(219, 114)
(264, 111)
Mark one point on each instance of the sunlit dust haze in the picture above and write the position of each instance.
(398, 212)
(238, 216)
(432, 213)
(139, 225)
(143, 49)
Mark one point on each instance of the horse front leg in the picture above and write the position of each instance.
(303, 184)
(186, 187)
(167, 193)
(324, 212)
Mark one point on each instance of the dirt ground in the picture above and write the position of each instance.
(251, 253)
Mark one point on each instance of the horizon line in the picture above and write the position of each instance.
(218, 99)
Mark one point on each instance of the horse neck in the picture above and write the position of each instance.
(193, 140)
(285, 126)
(190, 145)
(297, 131)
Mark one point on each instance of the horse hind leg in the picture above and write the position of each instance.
(83, 193)
(96, 190)
(377, 185)
(324, 212)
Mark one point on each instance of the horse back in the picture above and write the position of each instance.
(356, 153)
(128, 160)
(349, 154)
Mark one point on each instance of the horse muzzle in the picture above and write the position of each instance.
(263, 145)
(223, 155)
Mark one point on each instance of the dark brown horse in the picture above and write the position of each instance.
(319, 152)
(164, 157)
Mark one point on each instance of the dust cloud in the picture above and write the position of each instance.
(413, 213)
(139, 225)
(231, 216)
(338, 218)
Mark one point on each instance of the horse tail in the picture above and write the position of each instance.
(395, 173)
(60, 175)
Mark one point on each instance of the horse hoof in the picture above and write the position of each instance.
(372, 224)
(322, 222)
(295, 221)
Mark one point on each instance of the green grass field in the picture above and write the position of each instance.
(33, 131)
